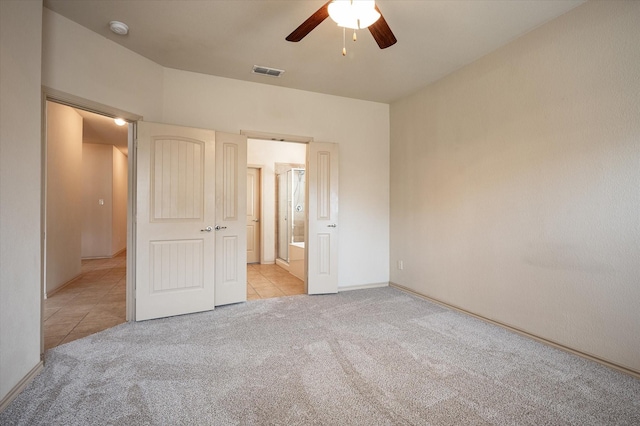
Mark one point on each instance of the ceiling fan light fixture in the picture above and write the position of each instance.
(354, 14)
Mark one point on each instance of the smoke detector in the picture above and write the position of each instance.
(118, 27)
(272, 72)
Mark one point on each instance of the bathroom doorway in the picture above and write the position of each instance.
(276, 273)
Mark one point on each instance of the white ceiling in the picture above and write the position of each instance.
(227, 37)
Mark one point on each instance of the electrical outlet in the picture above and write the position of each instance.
(400, 264)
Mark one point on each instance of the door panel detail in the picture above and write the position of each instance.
(177, 167)
(324, 254)
(176, 265)
(324, 188)
(231, 264)
(230, 185)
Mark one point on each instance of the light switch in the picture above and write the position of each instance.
(101, 202)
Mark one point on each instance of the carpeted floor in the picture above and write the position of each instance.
(367, 357)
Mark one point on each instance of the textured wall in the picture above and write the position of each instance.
(20, 190)
(120, 176)
(82, 63)
(104, 177)
(64, 195)
(97, 184)
(515, 184)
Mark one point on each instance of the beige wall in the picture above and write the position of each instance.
(119, 223)
(267, 153)
(20, 190)
(84, 64)
(104, 177)
(64, 196)
(97, 184)
(360, 128)
(515, 184)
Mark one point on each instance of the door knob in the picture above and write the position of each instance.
(207, 229)
(218, 227)
(333, 225)
(256, 220)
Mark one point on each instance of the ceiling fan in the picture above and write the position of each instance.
(379, 28)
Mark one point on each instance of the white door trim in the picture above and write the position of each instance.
(254, 134)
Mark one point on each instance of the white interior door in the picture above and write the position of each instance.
(253, 215)
(322, 237)
(174, 220)
(231, 213)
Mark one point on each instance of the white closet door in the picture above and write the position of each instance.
(231, 213)
(175, 241)
(322, 246)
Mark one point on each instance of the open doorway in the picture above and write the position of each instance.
(280, 270)
(85, 199)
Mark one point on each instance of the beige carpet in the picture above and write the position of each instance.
(364, 357)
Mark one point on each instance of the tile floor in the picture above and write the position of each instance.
(93, 302)
(266, 281)
(96, 300)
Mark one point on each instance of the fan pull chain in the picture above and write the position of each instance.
(344, 45)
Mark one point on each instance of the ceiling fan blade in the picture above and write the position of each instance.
(308, 25)
(382, 33)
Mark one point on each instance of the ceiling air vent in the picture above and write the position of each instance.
(257, 69)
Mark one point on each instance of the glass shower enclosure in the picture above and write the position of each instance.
(290, 209)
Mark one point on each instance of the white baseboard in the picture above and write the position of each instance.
(118, 253)
(48, 294)
(281, 263)
(363, 287)
(13, 393)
